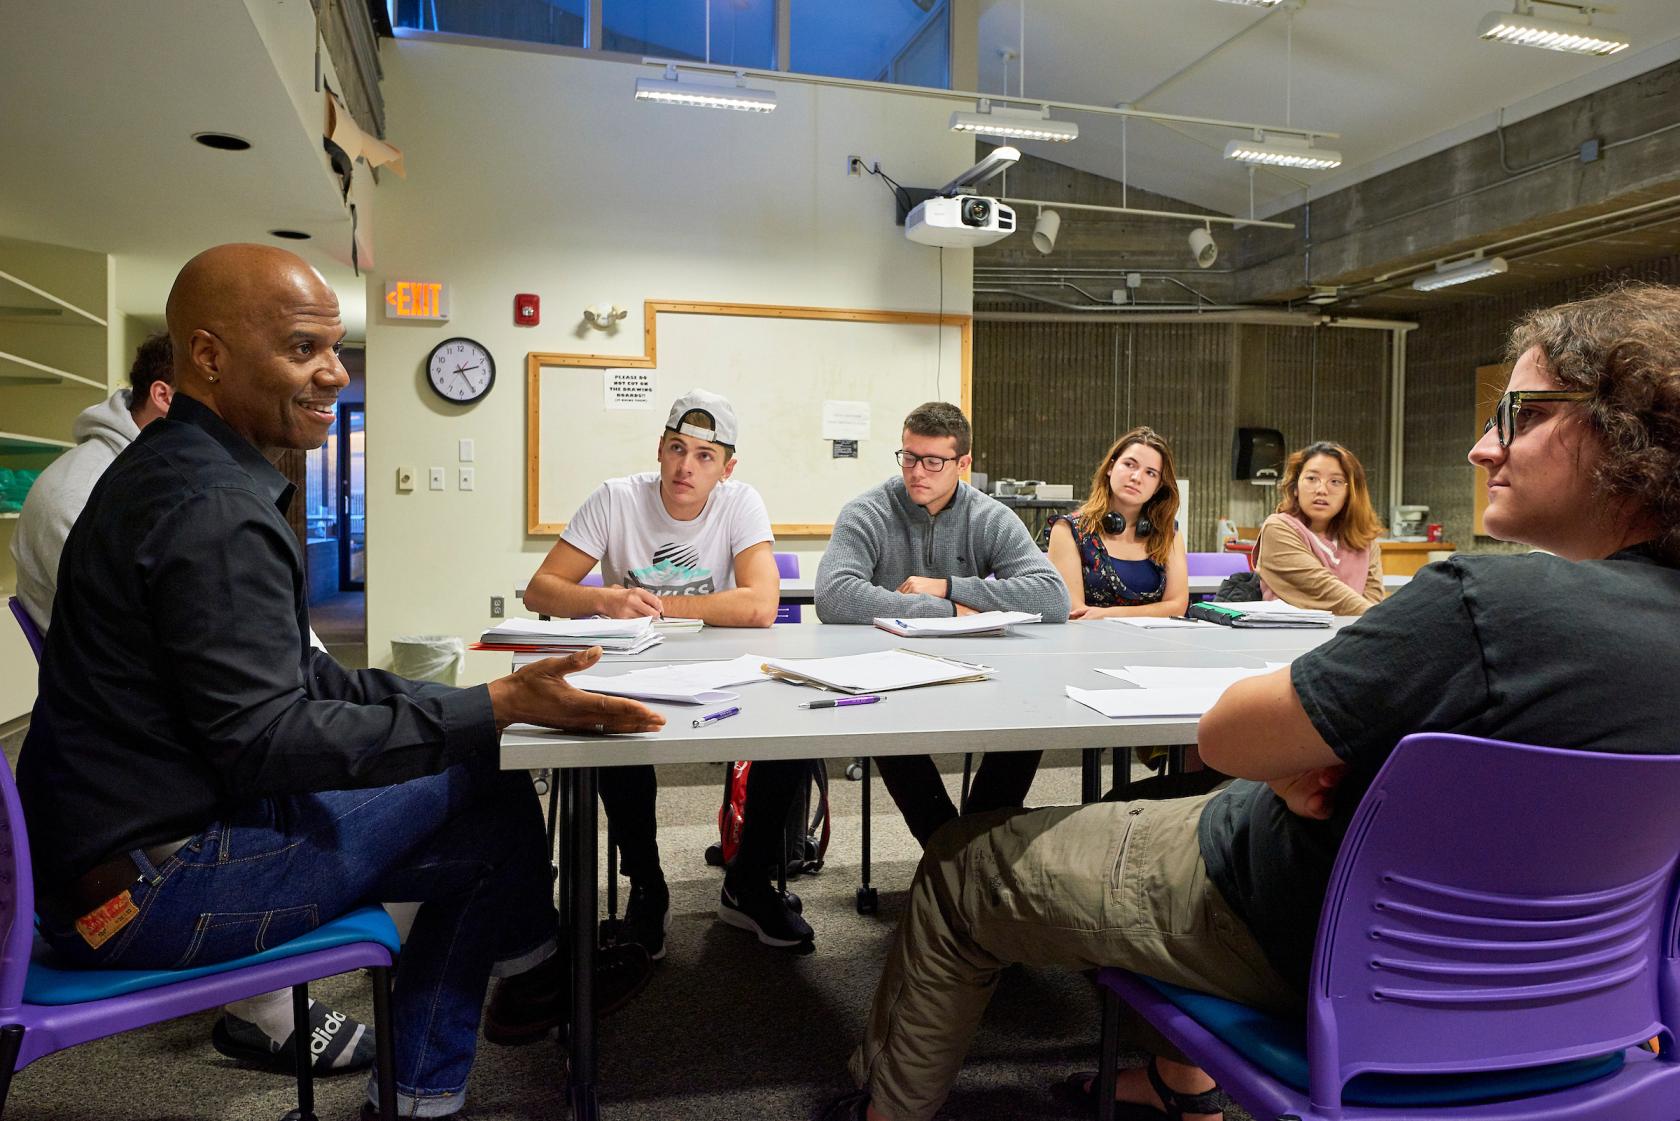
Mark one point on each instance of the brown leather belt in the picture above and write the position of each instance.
(105, 880)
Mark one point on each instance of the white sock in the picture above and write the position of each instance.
(272, 1012)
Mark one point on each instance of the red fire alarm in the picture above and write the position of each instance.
(527, 310)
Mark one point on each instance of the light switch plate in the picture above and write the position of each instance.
(437, 478)
(466, 453)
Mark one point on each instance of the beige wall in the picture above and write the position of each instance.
(536, 172)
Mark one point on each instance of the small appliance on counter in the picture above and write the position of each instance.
(1410, 523)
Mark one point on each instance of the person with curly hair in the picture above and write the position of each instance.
(1570, 648)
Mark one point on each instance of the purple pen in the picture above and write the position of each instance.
(843, 702)
(714, 717)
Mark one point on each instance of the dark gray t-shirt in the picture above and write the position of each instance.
(1533, 649)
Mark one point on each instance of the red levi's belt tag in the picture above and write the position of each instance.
(102, 923)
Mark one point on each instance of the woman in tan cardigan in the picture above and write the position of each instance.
(1320, 548)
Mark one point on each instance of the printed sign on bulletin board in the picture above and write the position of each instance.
(628, 389)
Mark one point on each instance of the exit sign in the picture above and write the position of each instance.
(416, 299)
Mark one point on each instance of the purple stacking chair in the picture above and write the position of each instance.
(31, 632)
(787, 567)
(44, 1008)
(1501, 932)
(1215, 564)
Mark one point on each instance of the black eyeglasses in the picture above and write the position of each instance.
(1504, 418)
(934, 463)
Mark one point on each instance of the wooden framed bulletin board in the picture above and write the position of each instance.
(778, 366)
(1490, 387)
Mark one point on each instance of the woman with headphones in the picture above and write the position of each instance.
(1120, 553)
(1320, 548)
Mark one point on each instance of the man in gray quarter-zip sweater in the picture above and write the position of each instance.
(923, 545)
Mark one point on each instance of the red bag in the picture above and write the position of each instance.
(805, 834)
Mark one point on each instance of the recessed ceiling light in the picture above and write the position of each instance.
(222, 141)
(290, 235)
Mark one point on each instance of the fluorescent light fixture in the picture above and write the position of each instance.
(1526, 30)
(1256, 3)
(1283, 151)
(1460, 272)
(704, 95)
(1014, 124)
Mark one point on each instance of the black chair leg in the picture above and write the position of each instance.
(11, 1042)
(1108, 1072)
(384, 1043)
(868, 899)
(968, 769)
(301, 1053)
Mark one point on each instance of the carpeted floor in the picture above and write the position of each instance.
(727, 1029)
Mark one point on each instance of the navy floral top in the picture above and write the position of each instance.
(1110, 582)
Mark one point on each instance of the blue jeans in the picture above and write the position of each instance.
(468, 844)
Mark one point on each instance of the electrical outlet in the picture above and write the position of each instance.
(437, 478)
(466, 479)
(405, 479)
(854, 165)
(496, 607)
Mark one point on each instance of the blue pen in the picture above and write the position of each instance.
(714, 717)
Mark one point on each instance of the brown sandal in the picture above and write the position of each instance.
(1080, 1089)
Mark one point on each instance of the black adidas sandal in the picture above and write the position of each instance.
(346, 1044)
(1080, 1089)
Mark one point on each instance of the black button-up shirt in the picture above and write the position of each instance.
(179, 679)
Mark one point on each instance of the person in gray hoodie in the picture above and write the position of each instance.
(257, 1030)
(927, 544)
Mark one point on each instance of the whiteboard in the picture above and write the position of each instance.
(777, 366)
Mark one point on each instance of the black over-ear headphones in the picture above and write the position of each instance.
(1116, 524)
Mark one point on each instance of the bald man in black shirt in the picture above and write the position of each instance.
(200, 784)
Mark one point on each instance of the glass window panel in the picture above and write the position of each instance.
(743, 32)
(560, 22)
(321, 488)
(875, 40)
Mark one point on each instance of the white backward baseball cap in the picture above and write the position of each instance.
(724, 429)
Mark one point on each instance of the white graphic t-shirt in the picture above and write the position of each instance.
(624, 525)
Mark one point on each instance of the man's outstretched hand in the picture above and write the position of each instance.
(540, 694)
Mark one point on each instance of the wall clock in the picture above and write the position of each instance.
(460, 370)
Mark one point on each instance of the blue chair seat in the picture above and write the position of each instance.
(51, 986)
(1279, 1047)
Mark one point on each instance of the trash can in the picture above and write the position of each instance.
(428, 657)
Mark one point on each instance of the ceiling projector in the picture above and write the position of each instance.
(963, 222)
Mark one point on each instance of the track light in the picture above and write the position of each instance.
(1524, 29)
(704, 95)
(1045, 229)
(1015, 124)
(1460, 272)
(1282, 151)
(1202, 247)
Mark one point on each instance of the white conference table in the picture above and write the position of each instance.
(1024, 707)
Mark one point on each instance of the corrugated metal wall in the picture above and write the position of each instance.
(1049, 397)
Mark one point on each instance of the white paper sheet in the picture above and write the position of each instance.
(1115, 703)
(688, 683)
(1152, 622)
(628, 389)
(879, 672)
(979, 623)
(845, 420)
(1178, 677)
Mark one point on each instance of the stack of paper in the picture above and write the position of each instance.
(879, 672)
(1260, 613)
(561, 636)
(971, 626)
(691, 683)
(1152, 622)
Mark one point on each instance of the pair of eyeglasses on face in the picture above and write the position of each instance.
(933, 463)
(1504, 418)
